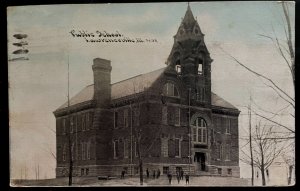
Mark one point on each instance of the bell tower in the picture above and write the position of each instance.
(191, 60)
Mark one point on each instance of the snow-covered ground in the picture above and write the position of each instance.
(134, 181)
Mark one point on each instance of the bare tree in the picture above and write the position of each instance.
(265, 149)
(250, 144)
(286, 51)
(144, 143)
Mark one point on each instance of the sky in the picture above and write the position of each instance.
(38, 86)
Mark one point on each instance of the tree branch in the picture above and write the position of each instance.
(258, 74)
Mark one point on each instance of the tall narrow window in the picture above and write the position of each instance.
(194, 134)
(170, 90)
(64, 125)
(213, 134)
(64, 154)
(83, 122)
(71, 124)
(200, 94)
(75, 123)
(177, 147)
(178, 69)
(165, 115)
(164, 147)
(88, 150)
(126, 117)
(136, 119)
(177, 116)
(116, 148)
(116, 116)
(228, 150)
(200, 67)
(87, 120)
(199, 131)
(228, 126)
(83, 149)
(220, 151)
(126, 148)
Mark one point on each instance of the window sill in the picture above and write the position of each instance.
(227, 160)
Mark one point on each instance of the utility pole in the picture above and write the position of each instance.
(250, 143)
(131, 138)
(189, 127)
(69, 133)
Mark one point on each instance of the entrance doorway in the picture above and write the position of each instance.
(199, 160)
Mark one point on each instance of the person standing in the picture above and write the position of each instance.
(181, 174)
(147, 172)
(187, 179)
(170, 177)
(178, 176)
(158, 173)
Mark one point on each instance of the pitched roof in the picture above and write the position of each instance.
(133, 85)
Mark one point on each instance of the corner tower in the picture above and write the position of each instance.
(190, 58)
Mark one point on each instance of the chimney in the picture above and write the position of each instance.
(102, 87)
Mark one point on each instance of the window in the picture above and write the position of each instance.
(228, 126)
(88, 150)
(87, 171)
(213, 136)
(136, 118)
(126, 143)
(219, 170)
(83, 148)
(199, 131)
(200, 67)
(164, 147)
(229, 171)
(165, 115)
(177, 116)
(71, 124)
(87, 120)
(220, 151)
(75, 123)
(82, 171)
(200, 94)
(116, 115)
(116, 148)
(64, 154)
(83, 122)
(170, 90)
(126, 117)
(165, 170)
(64, 125)
(194, 134)
(228, 150)
(178, 69)
(177, 147)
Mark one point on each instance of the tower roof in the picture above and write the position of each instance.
(188, 18)
(189, 27)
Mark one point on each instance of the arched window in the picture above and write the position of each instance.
(170, 90)
(199, 131)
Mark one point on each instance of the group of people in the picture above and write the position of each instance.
(154, 173)
(179, 176)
